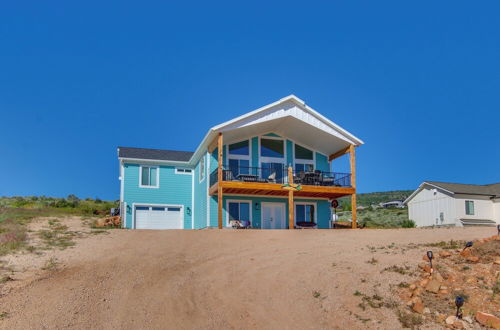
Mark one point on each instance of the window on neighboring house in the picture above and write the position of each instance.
(239, 158)
(272, 148)
(469, 207)
(239, 211)
(202, 168)
(149, 176)
(304, 213)
(183, 171)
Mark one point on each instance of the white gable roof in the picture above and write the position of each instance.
(289, 117)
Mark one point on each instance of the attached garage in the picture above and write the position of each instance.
(159, 216)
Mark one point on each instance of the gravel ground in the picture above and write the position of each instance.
(211, 279)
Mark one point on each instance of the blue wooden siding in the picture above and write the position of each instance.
(255, 151)
(272, 134)
(289, 153)
(323, 209)
(173, 189)
(200, 195)
(322, 163)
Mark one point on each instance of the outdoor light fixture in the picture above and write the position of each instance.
(188, 210)
(459, 301)
(468, 245)
(257, 206)
(430, 256)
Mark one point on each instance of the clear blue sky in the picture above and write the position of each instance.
(418, 82)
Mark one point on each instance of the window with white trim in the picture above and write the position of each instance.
(273, 148)
(149, 176)
(469, 207)
(304, 159)
(179, 170)
(202, 168)
(272, 159)
(239, 211)
(304, 213)
(239, 158)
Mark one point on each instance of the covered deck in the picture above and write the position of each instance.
(283, 181)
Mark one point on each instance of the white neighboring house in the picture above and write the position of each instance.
(454, 204)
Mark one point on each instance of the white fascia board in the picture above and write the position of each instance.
(212, 132)
(155, 162)
(419, 189)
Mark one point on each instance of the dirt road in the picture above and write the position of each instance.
(211, 279)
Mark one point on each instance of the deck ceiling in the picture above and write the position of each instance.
(263, 189)
(291, 120)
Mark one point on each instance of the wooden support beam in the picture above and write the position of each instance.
(291, 213)
(354, 211)
(339, 153)
(352, 153)
(213, 144)
(219, 180)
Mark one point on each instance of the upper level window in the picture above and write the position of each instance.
(272, 148)
(469, 207)
(240, 148)
(183, 171)
(202, 168)
(239, 158)
(149, 176)
(304, 167)
(303, 153)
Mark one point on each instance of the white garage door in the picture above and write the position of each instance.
(158, 217)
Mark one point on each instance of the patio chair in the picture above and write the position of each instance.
(240, 224)
(272, 177)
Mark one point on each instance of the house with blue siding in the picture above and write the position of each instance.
(271, 168)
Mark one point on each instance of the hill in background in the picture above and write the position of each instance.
(368, 199)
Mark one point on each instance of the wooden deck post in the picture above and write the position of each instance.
(291, 213)
(352, 156)
(219, 180)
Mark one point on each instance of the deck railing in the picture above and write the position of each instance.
(278, 173)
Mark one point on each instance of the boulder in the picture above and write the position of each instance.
(473, 259)
(466, 253)
(418, 307)
(438, 277)
(444, 254)
(458, 324)
(450, 319)
(417, 292)
(433, 286)
(100, 222)
(488, 320)
(468, 319)
(427, 269)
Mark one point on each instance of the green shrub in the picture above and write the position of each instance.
(408, 223)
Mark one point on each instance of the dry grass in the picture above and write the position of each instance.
(12, 236)
(57, 235)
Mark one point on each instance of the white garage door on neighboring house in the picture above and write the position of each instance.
(158, 217)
